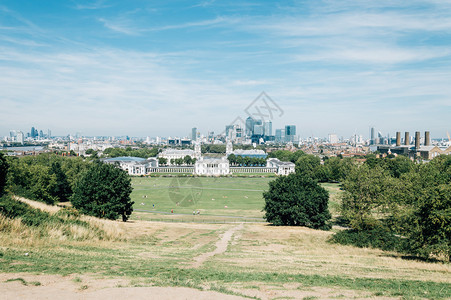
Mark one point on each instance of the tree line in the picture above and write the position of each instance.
(404, 205)
(392, 203)
(93, 187)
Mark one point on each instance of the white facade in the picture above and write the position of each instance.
(133, 166)
(283, 167)
(170, 154)
(212, 166)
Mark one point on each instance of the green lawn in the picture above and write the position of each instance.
(221, 196)
(212, 196)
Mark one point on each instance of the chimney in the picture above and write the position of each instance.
(417, 140)
(427, 139)
(407, 139)
(398, 138)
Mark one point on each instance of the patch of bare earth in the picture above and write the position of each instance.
(88, 288)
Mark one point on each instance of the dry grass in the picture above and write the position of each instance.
(306, 251)
(99, 229)
(36, 204)
(253, 249)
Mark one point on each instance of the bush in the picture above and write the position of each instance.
(297, 200)
(377, 237)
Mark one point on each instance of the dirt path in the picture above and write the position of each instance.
(221, 246)
(65, 287)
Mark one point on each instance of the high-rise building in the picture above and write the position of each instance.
(280, 135)
(20, 137)
(267, 128)
(228, 130)
(249, 130)
(258, 129)
(34, 132)
(290, 133)
(194, 133)
(372, 138)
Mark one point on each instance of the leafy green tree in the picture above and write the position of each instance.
(308, 165)
(178, 161)
(3, 173)
(104, 191)
(297, 200)
(338, 168)
(162, 161)
(285, 155)
(232, 159)
(187, 160)
(42, 184)
(73, 167)
(62, 188)
(431, 220)
(366, 192)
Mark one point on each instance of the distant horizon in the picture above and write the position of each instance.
(365, 137)
(160, 68)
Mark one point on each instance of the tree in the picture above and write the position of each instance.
(431, 220)
(42, 184)
(232, 159)
(62, 188)
(308, 165)
(104, 191)
(367, 192)
(162, 161)
(297, 200)
(187, 160)
(3, 173)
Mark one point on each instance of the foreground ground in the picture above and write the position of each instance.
(242, 260)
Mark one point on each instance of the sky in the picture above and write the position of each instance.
(159, 68)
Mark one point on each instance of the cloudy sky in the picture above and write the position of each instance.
(148, 68)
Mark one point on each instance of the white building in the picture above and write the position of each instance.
(212, 166)
(283, 167)
(171, 154)
(134, 165)
(256, 153)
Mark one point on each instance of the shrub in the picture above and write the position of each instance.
(377, 237)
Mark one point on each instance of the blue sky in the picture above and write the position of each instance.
(147, 68)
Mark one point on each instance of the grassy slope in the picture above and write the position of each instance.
(259, 258)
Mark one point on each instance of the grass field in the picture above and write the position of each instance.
(257, 260)
(221, 199)
(223, 196)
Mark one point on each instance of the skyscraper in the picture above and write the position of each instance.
(258, 129)
(267, 128)
(280, 135)
(34, 132)
(373, 138)
(290, 132)
(249, 130)
(194, 133)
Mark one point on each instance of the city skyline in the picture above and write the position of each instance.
(159, 69)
